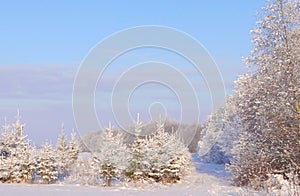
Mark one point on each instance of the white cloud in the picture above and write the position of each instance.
(51, 82)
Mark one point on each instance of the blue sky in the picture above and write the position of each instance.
(43, 42)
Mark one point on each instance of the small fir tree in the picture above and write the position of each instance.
(47, 167)
(111, 157)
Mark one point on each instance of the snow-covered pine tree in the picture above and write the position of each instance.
(179, 160)
(67, 152)
(168, 159)
(137, 167)
(111, 157)
(17, 154)
(156, 156)
(73, 149)
(62, 153)
(136, 170)
(6, 162)
(77, 170)
(47, 167)
(269, 98)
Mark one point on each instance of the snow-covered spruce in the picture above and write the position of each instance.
(47, 166)
(17, 156)
(67, 153)
(62, 152)
(136, 170)
(167, 158)
(74, 149)
(111, 157)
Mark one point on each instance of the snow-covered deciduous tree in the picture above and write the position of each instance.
(17, 156)
(47, 167)
(111, 157)
(219, 132)
(269, 98)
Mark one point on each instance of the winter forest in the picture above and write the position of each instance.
(254, 135)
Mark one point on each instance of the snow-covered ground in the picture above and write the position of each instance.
(206, 179)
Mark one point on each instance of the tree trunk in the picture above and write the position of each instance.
(108, 180)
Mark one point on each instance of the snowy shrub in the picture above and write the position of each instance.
(275, 182)
(279, 184)
(82, 173)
